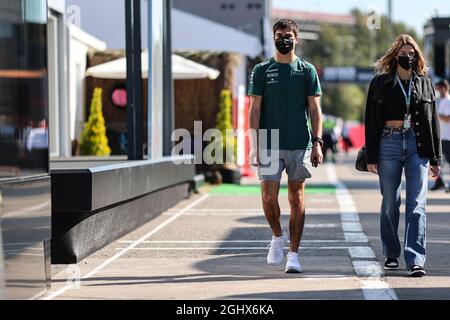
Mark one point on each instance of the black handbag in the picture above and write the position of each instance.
(361, 161)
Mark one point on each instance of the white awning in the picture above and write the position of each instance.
(182, 69)
(191, 32)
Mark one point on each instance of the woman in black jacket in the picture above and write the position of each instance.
(402, 132)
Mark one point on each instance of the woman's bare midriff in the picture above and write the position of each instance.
(394, 124)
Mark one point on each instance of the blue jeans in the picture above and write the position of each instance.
(398, 150)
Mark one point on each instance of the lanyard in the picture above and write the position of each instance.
(407, 97)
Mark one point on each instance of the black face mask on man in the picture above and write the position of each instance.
(406, 62)
(284, 45)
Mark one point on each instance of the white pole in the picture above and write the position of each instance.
(150, 81)
(241, 126)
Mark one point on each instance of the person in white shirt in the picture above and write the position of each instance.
(444, 116)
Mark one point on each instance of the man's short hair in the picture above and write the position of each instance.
(443, 83)
(284, 24)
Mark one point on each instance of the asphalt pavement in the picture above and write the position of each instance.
(214, 246)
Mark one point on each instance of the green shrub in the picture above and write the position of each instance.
(93, 138)
(224, 123)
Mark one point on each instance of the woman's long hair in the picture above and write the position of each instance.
(388, 63)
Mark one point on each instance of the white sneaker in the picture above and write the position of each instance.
(276, 255)
(293, 263)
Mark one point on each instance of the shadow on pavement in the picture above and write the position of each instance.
(402, 293)
(302, 295)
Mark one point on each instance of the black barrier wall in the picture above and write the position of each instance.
(25, 203)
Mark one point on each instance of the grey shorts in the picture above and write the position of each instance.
(297, 164)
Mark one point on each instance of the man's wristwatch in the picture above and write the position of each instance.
(319, 140)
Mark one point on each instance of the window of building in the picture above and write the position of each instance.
(23, 83)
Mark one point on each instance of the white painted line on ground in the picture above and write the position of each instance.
(352, 227)
(350, 217)
(355, 237)
(38, 295)
(361, 252)
(374, 288)
(377, 290)
(229, 241)
(227, 248)
(332, 175)
(57, 293)
(321, 225)
(321, 200)
(437, 241)
(322, 278)
(251, 215)
(368, 269)
(256, 212)
(219, 210)
(246, 210)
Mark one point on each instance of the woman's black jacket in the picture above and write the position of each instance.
(424, 113)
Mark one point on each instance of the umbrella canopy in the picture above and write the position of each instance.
(182, 69)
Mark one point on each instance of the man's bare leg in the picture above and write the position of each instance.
(296, 196)
(270, 191)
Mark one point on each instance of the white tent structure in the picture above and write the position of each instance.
(191, 32)
(182, 69)
(78, 45)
